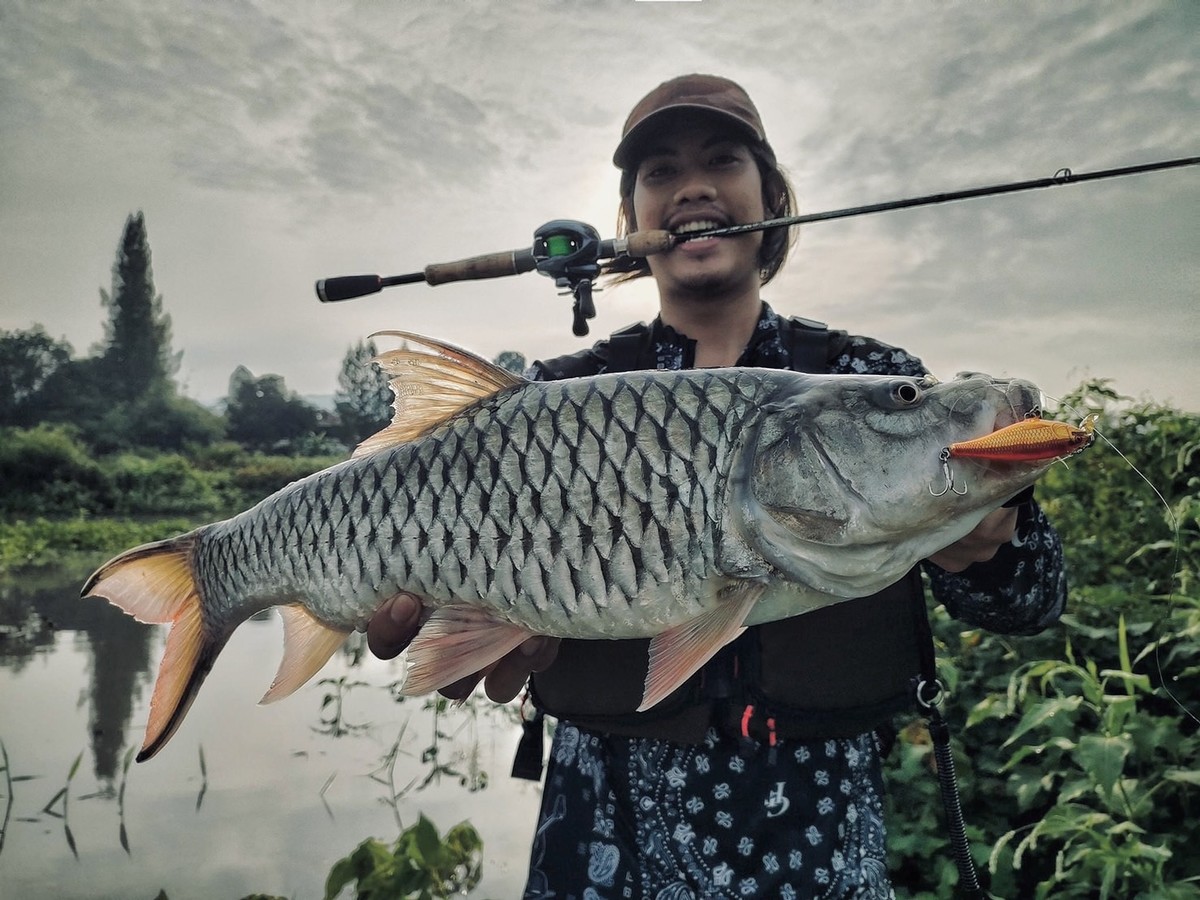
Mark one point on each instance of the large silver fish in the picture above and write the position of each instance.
(681, 506)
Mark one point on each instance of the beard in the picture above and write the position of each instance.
(711, 286)
(701, 282)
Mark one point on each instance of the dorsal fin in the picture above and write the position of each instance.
(431, 381)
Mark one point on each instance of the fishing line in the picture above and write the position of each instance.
(1172, 599)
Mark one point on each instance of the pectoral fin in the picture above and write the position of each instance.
(307, 645)
(457, 641)
(677, 654)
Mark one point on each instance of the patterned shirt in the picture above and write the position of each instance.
(646, 818)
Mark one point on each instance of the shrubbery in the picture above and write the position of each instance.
(46, 471)
(57, 500)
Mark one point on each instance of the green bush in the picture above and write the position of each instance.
(158, 420)
(48, 471)
(260, 475)
(32, 543)
(45, 471)
(167, 483)
(421, 865)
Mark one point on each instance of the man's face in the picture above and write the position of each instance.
(700, 174)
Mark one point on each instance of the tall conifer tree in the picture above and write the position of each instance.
(136, 358)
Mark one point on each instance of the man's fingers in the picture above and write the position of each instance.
(998, 527)
(981, 544)
(541, 652)
(510, 673)
(461, 689)
(396, 622)
(394, 625)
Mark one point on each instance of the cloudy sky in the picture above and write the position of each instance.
(273, 143)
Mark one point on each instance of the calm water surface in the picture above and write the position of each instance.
(245, 798)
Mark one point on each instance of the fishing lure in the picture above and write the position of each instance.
(1028, 440)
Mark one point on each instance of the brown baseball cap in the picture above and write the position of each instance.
(708, 93)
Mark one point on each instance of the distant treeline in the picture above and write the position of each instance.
(123, 395)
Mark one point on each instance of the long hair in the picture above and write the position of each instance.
(779, 200)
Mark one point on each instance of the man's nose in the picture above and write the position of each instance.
(695, 186)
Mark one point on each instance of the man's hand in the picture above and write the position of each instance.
(981, 544)
(397, 621)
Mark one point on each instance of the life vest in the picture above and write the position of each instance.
(838, 672)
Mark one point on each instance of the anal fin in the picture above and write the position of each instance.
(307, 645)
(678, 653)
(457, 641)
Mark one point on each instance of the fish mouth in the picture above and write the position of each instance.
(1024, 401)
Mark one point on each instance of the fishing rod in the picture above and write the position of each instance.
(570, 252)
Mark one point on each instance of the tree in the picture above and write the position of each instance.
(511, 360)
(28, 360)
(137, 356)
(262, 413)
(363, 399)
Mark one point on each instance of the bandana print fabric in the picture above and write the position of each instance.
(654, 819)
(766, 349)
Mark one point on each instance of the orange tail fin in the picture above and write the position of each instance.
(154, 583)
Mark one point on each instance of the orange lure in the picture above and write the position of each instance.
(1029, 440)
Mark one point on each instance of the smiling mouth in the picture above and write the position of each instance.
(690, 239)
(689, 228)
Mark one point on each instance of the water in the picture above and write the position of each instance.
(245, 798)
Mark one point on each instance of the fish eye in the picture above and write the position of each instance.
(906, 393)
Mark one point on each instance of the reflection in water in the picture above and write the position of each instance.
(286, 789)
(37, 608)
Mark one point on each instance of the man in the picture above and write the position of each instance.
(761, 777)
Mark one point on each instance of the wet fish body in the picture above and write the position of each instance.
(681, 506)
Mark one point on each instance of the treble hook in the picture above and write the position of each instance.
(948, 473)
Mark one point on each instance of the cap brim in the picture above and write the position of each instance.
(627, 154)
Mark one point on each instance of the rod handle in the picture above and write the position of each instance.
(347, 287)
(647, 243)
(490, 265)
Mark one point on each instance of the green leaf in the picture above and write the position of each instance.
(1103, 758)
(342, 873)
(1186, 776)
(1043, 712)
(990, 707)
(75, 766)
(1123, 647)
(427, 843)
